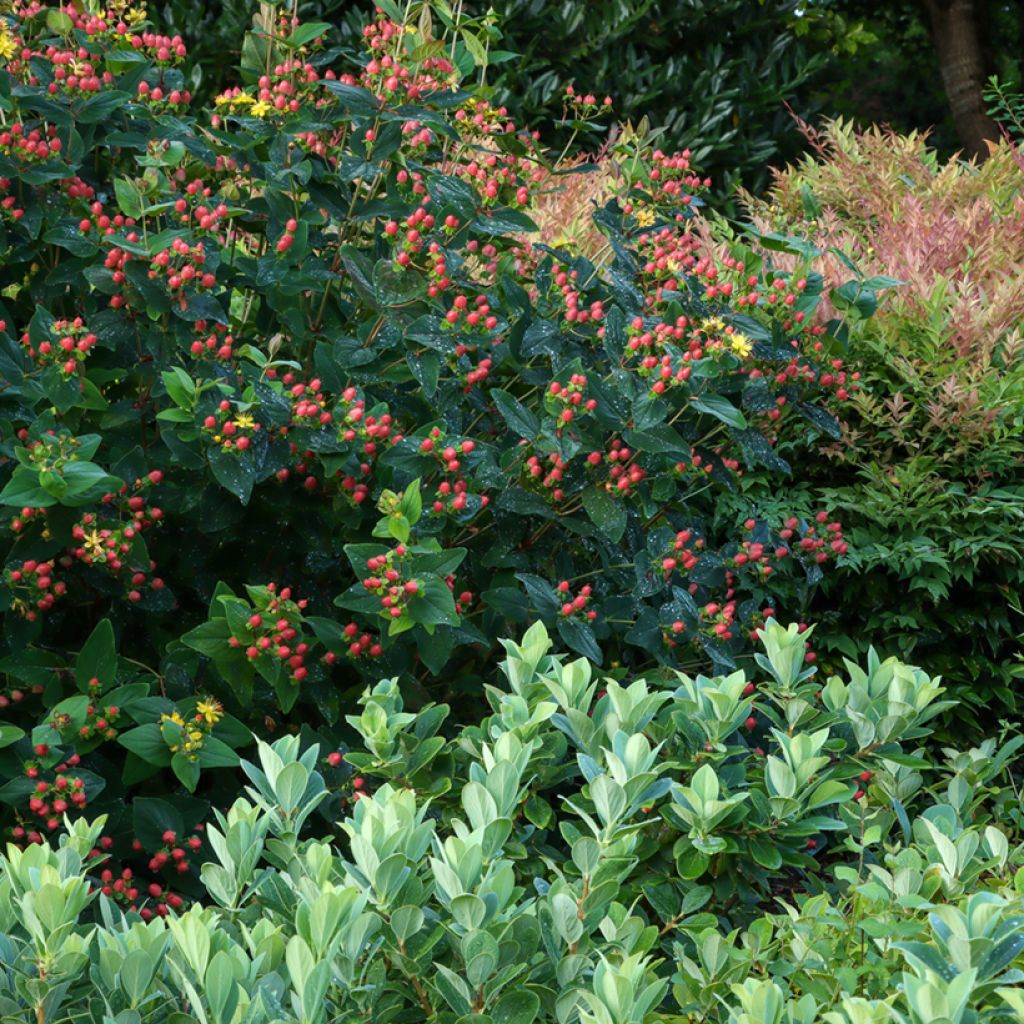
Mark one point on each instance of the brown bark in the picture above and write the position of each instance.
(955, 32)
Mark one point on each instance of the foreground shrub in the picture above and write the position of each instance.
(930, 468)
(290, 402)
(660, 849)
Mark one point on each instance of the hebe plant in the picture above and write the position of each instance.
(596, 850)
(290, 401)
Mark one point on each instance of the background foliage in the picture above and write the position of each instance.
(613, 857)
(291, 401)
(931, 463)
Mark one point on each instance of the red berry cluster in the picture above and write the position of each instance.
(366, 431)
(471, 317)
(564, 291)
(275, 631)
(822, 545)
(718, 619)
(699, 465)
(673, 178)
(393, 75)
(107, 538)
(17, 696)
(499, 178)
(29, 145)
(125, 890)
(309, 403)
(682, 555)
(389, 582)
(32, 587)
(167, 50)
(173, 853)
(95, 216)
(69, 343)
(53, 799)
(217, 343)
(623, 474)
(182, 265)
(100, 722)
(667, 254)
(360, 644)
(413, 239)
(566, 400)
(287, 239)
(582, 107)
(9, 205)
(576, 606)
(25, 517)
(452, 492)
(232, 430)
(549, 477)
(73, 71)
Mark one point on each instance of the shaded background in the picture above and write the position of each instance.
(718, 74)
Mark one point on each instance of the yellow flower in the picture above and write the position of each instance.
(210, 710)
(8, 42)
(93, 543)
(645, 218)
(174, 717)
(227, 99)
(740, 344)
(136, 15)
(243, 420)
(712, 325)
(261, 109)
(672, 265)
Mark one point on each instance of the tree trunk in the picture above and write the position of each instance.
(955, 32)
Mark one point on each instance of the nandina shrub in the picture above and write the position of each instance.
(290, 401)
(930, 467)
(740, 849)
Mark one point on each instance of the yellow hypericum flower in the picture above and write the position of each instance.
(672, 265)
(209, 710)
(174, 717)
(261, 109)
(136, 15)
(243, 420)
(229, 99)
(8, 42)
(645, 218)
(740, 344)
(93, 543)
(712, 325)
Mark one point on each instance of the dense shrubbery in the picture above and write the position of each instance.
(339, 379)
(297, 352)
(601, 855)
(714, 73)
(930, 468)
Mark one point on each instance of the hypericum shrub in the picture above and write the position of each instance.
(294, 352)
(752, 849)
(930, 467)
